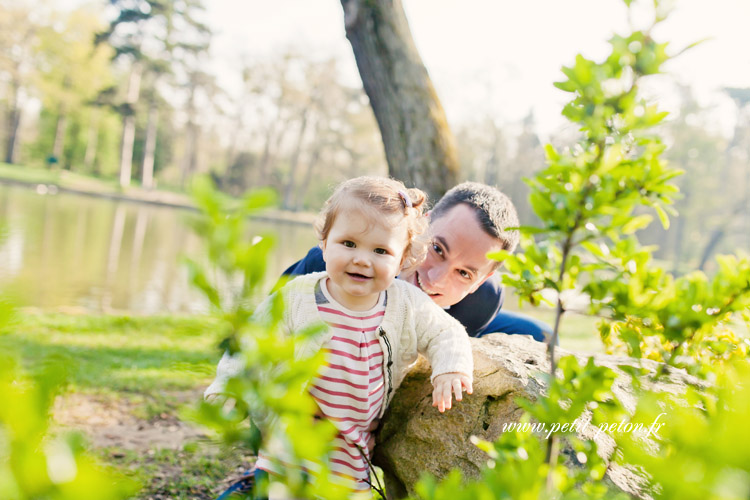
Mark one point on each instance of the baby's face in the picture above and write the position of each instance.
(363, 256)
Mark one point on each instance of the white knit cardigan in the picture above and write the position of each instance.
(412, 324)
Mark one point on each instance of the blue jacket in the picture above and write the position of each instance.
(475, 311)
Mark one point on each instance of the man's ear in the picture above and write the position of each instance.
(476, 285)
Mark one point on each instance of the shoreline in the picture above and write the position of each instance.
(150, 197)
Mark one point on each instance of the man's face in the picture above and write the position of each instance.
(456, 262)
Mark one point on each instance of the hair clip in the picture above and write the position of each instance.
(406, 199)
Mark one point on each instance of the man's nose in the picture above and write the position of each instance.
(437, 274)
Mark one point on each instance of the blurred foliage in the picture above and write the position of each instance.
(271, 386)
(704, 450)
(584, 256)
(684, 321)
(36, 463)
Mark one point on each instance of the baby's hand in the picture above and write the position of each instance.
(447, 384)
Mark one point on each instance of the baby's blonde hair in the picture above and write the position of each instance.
(381, 196)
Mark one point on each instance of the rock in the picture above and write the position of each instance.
(415, 438)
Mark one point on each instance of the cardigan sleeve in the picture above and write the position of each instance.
(231, 366)
(441, 338)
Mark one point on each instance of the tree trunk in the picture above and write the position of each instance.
(190, 162)
(232, 149)
(294, 162)
(679, 231)
(128, 125)
(419, 146)
(126, 150)
(57, 147)
(92, 143)
(311, 164)
(13, 124)
(718, 234)
(272, 137)
(147, 180)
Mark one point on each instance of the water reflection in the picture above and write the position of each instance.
(72, 251)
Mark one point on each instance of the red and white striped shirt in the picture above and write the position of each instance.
(350, 386)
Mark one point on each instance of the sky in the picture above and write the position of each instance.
(499, 58)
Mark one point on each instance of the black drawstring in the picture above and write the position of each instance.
(379, 488)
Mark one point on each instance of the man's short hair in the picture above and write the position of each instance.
(495, 212)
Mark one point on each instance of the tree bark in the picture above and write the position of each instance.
(419, 146)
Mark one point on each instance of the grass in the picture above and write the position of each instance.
(29, 174)
(146, 369)
(577, 332)
(193, 472)
(57, 176)
(117, 354)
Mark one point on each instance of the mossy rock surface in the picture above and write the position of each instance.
(415, 438)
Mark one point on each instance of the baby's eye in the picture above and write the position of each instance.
(348, 244)
(436, 248)
(381, 251)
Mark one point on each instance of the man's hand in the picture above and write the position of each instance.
(446, 385)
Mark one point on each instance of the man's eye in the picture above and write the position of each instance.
(464, 274)
(437, 249)
(348, 244)
(381, 251)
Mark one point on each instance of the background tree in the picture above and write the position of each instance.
(419, 145)
(148, 34)
(735, 177)
(295, 126)
(71, 73)
(18, 27)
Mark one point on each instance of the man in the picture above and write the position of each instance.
(468, 222)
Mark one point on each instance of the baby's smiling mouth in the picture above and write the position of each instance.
(357, 276)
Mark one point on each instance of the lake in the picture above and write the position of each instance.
(72, 252)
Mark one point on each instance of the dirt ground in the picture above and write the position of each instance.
(112, 426)
(111, 423)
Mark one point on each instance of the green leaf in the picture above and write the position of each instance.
(499, 255)
(663, 217)
(636, 223)
(530, 230)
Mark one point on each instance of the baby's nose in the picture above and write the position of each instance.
(361, 259)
